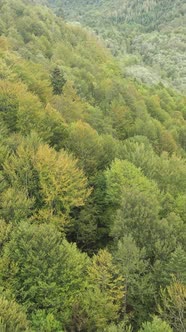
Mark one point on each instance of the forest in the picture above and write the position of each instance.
(92, 174)
(147, 36)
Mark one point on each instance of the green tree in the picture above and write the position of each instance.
(12, 316)
(105, 275)
(53, 129)
(136, 200)
(20, 176)
(121, 327)
(169, 250)
(5, 231)
(91, 226)
(180, 206)
(43, 321)
(101, 301)
(16, 205)
(86, 145)
(173, 305)
(71, 106)
(176, 266)
(139, 288)
(139, 152)
(122, 175)
(157, 325)
(9, 106)
(58, 81)
(43, 271)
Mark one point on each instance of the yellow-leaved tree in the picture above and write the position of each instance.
(50, 182)
(102, 300)
(62, 184)
(173, 306)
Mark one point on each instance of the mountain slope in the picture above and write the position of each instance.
(153, 32)
(92, 183)
(150, 14)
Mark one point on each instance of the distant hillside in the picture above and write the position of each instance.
(153, 32)
(149, 13)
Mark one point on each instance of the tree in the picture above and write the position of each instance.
(169, 251)
(5, 231)
(12, 316)
(53, 129)
(173, 305)
(140, 153)
(105, 275)
(9, 106)
(43, 271)
(63, 185)
(69, 104)
(170, 174)
(122, 175)
(86, 145)
(123, 120)
(135, 198)
(20, 193)
(58, 81)
(139, 289)
(121, 327)
(101, 301)
(176, 266)
(16, 205)
(180, 206)
(43, 321)
(157, 325)
(91, 226)
(47, 180)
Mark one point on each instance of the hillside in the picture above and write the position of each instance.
(147, 36)
(150, 14)
(92, 184)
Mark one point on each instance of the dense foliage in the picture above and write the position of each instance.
(148, 36)
(92, 184)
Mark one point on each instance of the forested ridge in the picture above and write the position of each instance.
(147, 36)
(92, 183)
